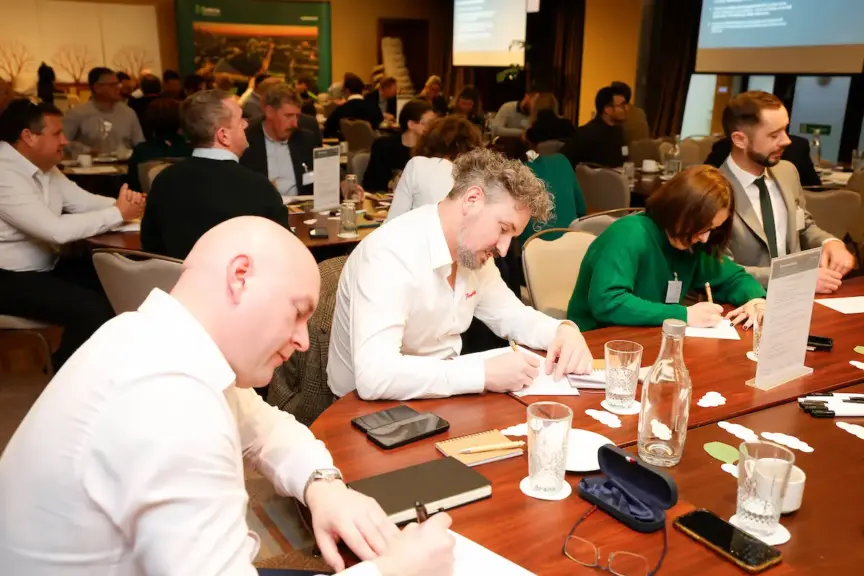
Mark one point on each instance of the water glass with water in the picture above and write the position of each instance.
(758, 321)
(623, 360)
(763, 474)
(348, 220)
(350, 187)
(549, 426)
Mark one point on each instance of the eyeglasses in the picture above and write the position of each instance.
(620, 563)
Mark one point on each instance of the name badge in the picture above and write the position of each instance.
(673, 292)
(800, 219)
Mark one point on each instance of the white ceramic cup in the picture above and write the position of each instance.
(794, 491)
(85, 160)
(649, 165)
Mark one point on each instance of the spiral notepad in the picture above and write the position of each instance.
(454, 445)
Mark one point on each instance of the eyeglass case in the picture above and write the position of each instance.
(629, 490)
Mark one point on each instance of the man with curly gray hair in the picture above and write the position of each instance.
(411, 288)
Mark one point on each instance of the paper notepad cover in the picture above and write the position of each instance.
(454, 445)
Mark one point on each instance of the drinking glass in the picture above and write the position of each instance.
(549, 426)
(348, 220)
(763, 474)
(623, 360)
(350, 187)
(758, 320)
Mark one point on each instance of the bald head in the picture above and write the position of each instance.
(252, 285)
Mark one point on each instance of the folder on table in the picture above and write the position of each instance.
(454, 445)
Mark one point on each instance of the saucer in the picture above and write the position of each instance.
(565, 491)
(780, 535)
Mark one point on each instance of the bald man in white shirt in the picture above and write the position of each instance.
(411, 288)
(131, 461)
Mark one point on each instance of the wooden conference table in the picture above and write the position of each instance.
(826, 531)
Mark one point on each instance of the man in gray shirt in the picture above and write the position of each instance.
(514, 118)
(105, 123)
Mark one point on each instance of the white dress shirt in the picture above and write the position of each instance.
(397, 325)
(215, 154)
(778, 203)
(423, 181)
(280, 167)
(131, 460)
(41, 210)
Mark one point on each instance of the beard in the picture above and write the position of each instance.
(762, 159)
(470, 259)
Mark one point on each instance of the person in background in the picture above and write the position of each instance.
(105, 123)
(432, 93)
(172, 85)
(40, 211)
(306, 88)
(127, 85)
(354, 108)
(409, 290)
(391, 153)
(514, 118)
(164, 140)
(601, 140)
(45, 85)
(546, 124)
(797, 152)
(189, 198)
(428, 176)
(151, 89)
(250, 100)
(636, 125)
(469, 106)
(131, 462)
(771, 218)
(382, 102)
(628, 273)
(278, 149)
(193, 83)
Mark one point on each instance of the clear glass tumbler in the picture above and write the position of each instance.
(623, 360)
(763, 474)
(549, 426)
(348, 220)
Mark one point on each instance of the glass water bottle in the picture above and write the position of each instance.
(672, 160)
(666, 401)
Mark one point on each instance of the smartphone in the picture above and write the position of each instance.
(820, 343)
(735, 545)
(318, 233)
(417, 427)
(383, 417)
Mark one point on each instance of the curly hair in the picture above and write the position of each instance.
(447, 138)
(496, 175)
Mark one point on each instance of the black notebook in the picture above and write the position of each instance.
(439, 484)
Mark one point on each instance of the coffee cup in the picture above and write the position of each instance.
(649, 165)
(85, 160)
(794, 491)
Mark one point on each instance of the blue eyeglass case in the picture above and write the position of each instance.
(629, 490)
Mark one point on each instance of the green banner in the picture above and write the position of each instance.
(242, 38)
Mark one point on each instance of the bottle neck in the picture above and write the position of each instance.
(672, 347)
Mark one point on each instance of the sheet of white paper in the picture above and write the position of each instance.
(129, 227)
(723, 331)
(853, 305)
(472, 559)
(544, 384)
(325, 188)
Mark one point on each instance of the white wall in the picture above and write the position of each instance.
(759, 82)
(699, 106)
(821, 100)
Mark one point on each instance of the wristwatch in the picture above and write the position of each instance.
(322, 474)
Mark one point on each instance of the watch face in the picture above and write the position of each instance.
(327, 474)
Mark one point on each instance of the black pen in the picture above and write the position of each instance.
(422, 514)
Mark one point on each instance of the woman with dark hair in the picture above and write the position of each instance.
(45, 85)
(391, 153)
(637, 272)
(546, 124)
(468, 105)
(163, 138)
(428, 176)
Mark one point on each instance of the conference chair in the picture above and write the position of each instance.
(359, 163)
(128, 276)
(147, 172)
(299, 386)
(358, 133)
(596, 224)
(836, 212)
(549, 147)
(552, 267)
(603, 188)
(691, 152)
(856, 184)
(31, 329)
(644, 150)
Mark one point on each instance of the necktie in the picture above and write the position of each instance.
(767, 215)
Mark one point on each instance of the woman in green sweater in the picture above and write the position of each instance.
(637, 272)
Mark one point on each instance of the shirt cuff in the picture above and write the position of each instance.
(466, 375)
(296, 474)
(362, 569)
(113, 217)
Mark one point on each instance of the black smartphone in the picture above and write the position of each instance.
(417, 427)
(740, 548)
(820, 343)
(318, 233)
(383, 417)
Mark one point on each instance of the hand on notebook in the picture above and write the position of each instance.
(342, 514)
(420, 550)
(511, 371)
(570, 352)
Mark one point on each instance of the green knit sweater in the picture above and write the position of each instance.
(625, 274)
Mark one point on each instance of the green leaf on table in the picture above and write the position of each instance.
(722, 452)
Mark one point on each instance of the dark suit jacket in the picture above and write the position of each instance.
(798, 153)
(301, 144)
(357, 109)
(310, 123)
(373, 99)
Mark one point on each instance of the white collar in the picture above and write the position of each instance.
(8, 152)
(355, 97)
(744, 177)
(215, 154)
(271, 139)
(209, 363)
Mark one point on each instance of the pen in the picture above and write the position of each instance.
(708, 291)
(493, 447)
(422, 515)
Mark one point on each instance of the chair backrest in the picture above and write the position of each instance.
(603, 188)
(128, 276)
(664, 146)
(552, 267)
(549, 147)
(644, 150)
(359, 163)
(834, 210)
(358, 134)
(147, 172)
(691, 152)
(856, 181)
(596, 224)
(856, 184)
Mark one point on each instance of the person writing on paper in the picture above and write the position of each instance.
(637, 272)
(770, 217)
(411, 288)
(135, 466)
